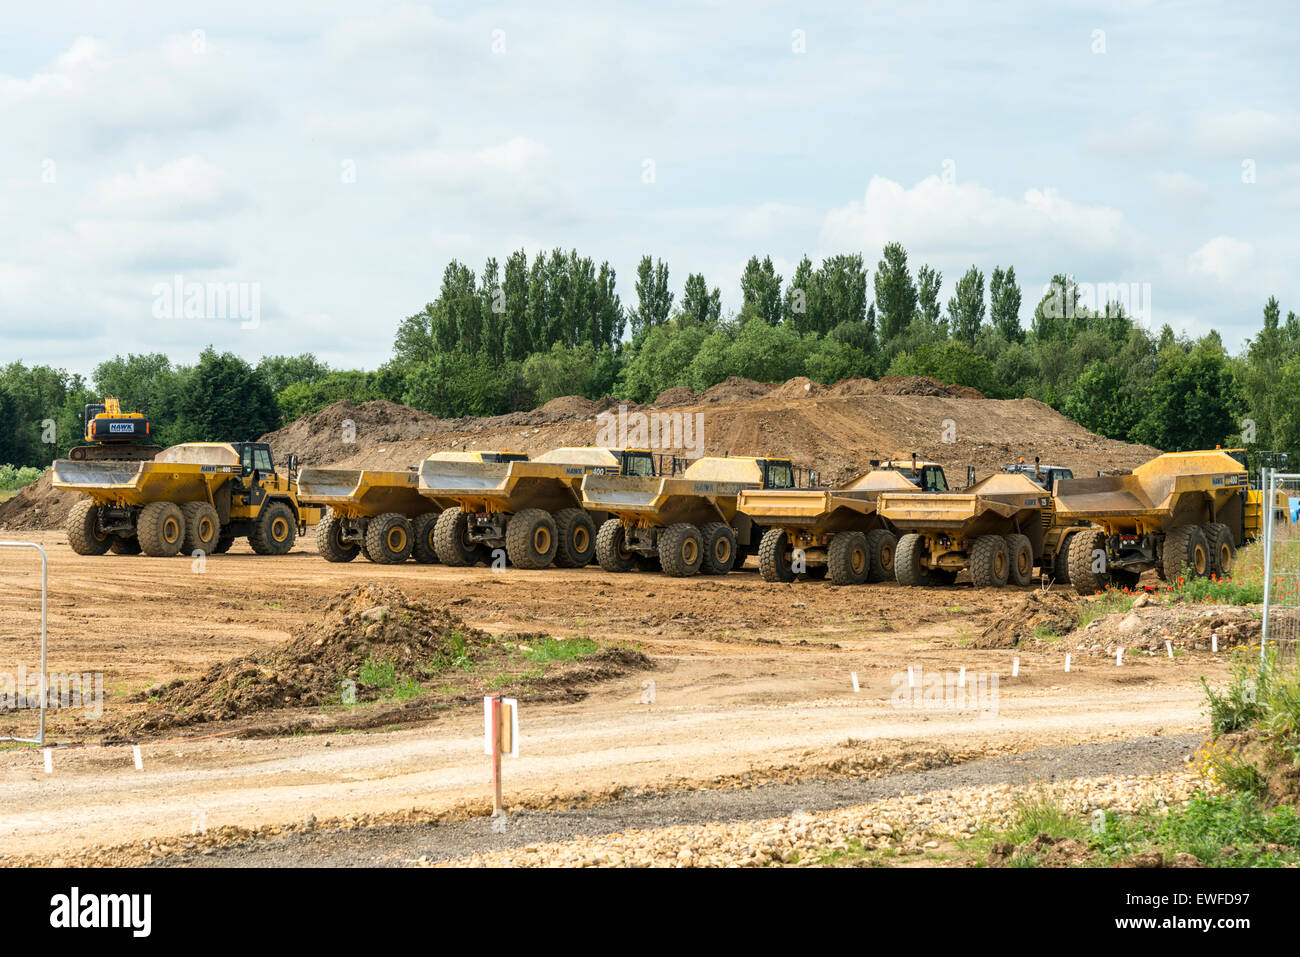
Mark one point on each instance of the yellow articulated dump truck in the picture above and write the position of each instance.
(380, 512)
(1057, 531)
(826, 532)
(689, 523)
(1180, 510)
(994, 529)
(195, 497)
(532, 509)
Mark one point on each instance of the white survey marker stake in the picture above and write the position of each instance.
(1214, 642)
(1119, 657)
(1169, 647)
(1067, 662)
(1015, 667)
(49, 761)
(854, 676)
(139, 760)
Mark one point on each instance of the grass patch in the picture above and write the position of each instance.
(1112, 599)
(546, 649)
(383, 677)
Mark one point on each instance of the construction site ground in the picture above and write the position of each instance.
(754, 713)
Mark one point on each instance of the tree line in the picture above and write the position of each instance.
(517, 334)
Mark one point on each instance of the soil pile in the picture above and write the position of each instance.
(1038, 614)
(39, 505)
(370, 622)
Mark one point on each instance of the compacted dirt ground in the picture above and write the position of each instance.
(747, 685)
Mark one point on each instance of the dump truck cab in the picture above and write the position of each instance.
(1044, 476)
(926, 476)
(1256, 462)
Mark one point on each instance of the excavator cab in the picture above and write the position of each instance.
(113, 434)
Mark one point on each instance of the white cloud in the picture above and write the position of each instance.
(1180, 189)
(1246, 133)
(187, 187)
(969, 219)
(1223, 258)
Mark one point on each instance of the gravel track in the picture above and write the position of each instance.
(397, 846)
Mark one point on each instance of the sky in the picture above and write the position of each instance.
(320, 163)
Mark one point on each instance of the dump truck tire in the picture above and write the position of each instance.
(1186, 545)
(719, 548)
(202, 528)
(389, 538)
(1061, 561)
(908, 569)
(575, 535)
(882, 545)
(849, 559)
(83, 529)
(990, 562)
(274, 530)
(124, 545)
(161, 529)
(1020, 552)
(611, 554)
(1083, 549)
(330, 543)
(424, 549)
(1223, 553)
(449, 539)
(681, 550)
(772, 563)
(531, 538)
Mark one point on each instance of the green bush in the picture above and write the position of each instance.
(14, 477)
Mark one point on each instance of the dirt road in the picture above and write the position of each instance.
(751, 683)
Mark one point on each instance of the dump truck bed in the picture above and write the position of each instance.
(139, 483)
(963, 514)
(502, 486)
(1155, 491)
(662, 500)
(365, 492)
(822, 508)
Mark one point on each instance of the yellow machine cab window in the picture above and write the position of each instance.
(778, 473)
(637, 462)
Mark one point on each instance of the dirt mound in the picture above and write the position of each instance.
(1041, 615)
(369, 623)
(570, 407)
(326, 435)
(39, 505)
(924, 385)
(1148, 623)
(734, 389)
(800, 387)
(677, 395)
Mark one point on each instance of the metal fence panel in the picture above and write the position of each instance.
(1281, 631)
